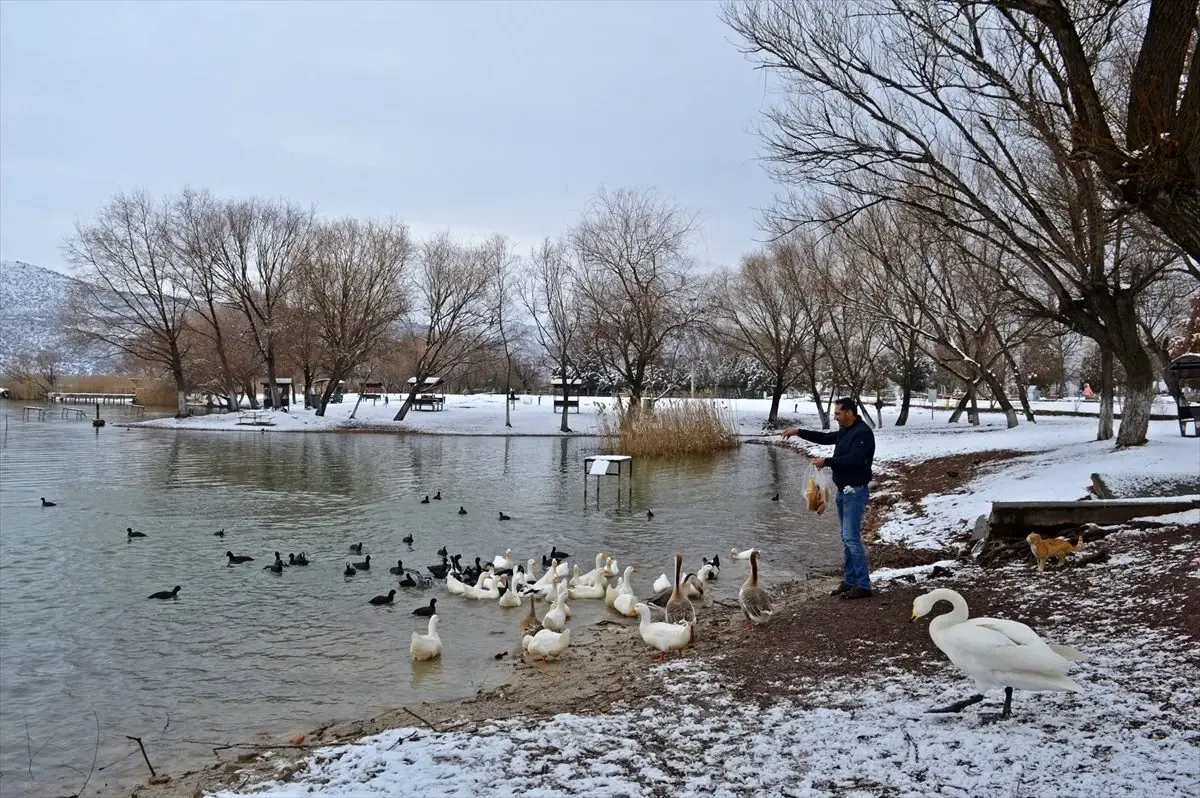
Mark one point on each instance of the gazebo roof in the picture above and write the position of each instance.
(1188, 365)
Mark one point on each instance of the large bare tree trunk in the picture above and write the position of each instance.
(961, 406)
(1107, 386)
(1139, 399)
(564, 425)
(905, 401)
(407, 405)
(776, 397)
(997, 389)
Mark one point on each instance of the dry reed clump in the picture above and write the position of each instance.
(674, 428)
(150, 392)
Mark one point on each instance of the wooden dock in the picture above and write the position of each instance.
(94, 398)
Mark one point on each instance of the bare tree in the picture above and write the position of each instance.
(257, 259)
(958, 110)
(40, 370)
(759, 313)
(502, 262)
(552, 300)
(131, 295)
(453, 318)
(196, 230)
(1155, 170)
(354, 287)
(635, 279)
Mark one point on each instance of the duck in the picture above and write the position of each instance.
(427, 611)
(235, 559)
(442, 552)
(220, 533)
(555, 618)
(47, 504)
(775, 498)
(409, 579)
(439, 571)
(398, 568)
(462, 510)
(666, 637)
(302, 559)
(714, 571)
(165, 594)
(754, 601)
(649, 514)
(502, 562)
(995, 652)
(741, 555)
(365, 565)
(426, 646)
(381, 600)
(130, 534)
(356, 548)
(678, 607)
(555, 554)
(275, 567)
(437, 497)
(546, 643)
(530, 625)
(425, 500)
(508, 598)
(349, 570)
(504, 516)
(407, 540)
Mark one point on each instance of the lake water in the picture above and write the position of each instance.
(243, 651)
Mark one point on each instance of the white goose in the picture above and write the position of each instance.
(995, 652)
(546, 644)
(665, 637)
(589, 578)
(662, 583)
(595, 590)
(503, 562)
(455, 587)
(626, 601)
(509, 599)
(555, 618)
(426, 646)
(741, 555)
(480, 592)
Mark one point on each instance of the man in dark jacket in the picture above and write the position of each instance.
(853, 450)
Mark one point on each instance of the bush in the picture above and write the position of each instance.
(673, 428)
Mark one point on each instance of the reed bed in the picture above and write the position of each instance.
(673, 428)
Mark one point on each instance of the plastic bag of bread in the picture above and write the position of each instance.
(818, 492)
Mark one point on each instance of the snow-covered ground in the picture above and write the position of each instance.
(1133, 731)
(483, 414)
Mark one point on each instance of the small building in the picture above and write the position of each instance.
(319, 387)
(565, 391)
(373, 390)
(287, 391)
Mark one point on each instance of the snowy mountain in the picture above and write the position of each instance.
(31, 301)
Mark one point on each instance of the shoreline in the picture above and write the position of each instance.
(606, 666)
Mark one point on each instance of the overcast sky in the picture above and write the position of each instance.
(472, 117)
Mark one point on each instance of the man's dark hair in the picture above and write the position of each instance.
(847, 404)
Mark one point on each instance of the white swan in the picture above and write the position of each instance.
(995, 652)
(426, 646)
(546, 644)
(741, 555)
(665, 637)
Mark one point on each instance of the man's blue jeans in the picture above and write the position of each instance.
(851, 507)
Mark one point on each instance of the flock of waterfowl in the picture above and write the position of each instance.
(995, 652)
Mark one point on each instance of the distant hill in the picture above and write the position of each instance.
(31, 301)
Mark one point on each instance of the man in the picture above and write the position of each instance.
(853, 451)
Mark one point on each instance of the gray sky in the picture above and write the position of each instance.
(472, 117)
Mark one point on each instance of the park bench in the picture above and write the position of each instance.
(428, 401)
(1187, 414)
(254, 418)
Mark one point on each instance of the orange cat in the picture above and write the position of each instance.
(1052, 548)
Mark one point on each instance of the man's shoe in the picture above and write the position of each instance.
(855, 593)
(840, 589)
